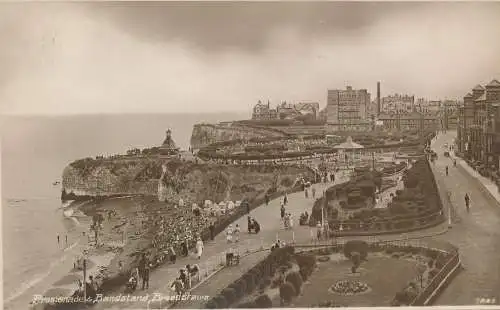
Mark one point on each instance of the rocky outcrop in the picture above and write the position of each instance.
(192, 182)
(205, 134)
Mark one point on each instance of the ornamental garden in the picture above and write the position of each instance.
(341, 276)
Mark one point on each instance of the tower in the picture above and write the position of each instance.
(378, 98)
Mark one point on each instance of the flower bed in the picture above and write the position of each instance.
(349, 287)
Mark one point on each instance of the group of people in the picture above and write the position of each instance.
(185, 278)
(233, 234)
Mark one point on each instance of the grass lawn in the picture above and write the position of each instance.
(384, 275)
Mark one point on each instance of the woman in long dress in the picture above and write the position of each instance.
(229, 233)
(237, 233)
(199, 247)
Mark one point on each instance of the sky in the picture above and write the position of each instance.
(168, 57)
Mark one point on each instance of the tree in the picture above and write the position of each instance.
(356, 261)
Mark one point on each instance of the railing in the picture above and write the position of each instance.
(426, 296)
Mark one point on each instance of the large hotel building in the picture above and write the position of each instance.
(347, 110)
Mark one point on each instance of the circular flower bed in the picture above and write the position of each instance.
(349, 287)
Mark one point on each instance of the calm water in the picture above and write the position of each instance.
(34, 152)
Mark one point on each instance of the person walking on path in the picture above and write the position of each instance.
(185, 250)
(306, 192)
(285, 199)
(199, 247)
(282, 211)
(267, 199)
(446, 170)
(58, 241)
(313, 190)
(467, 201)
(237, 233)
(173, 255)
(229, 233)
(212, 231)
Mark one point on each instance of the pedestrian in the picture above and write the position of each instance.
(237, 233)
(446, 170)
(229, 233)
(285, 199)
(199, 247)
(185, 250)
(173, 255)
(318, 232)
(212, 231)
(313, 190)
(306, 192)
(282, 211)
(247, 205)
(266, 197)
(467, 201)
(66, 240)
(145, 276)
(58, 239)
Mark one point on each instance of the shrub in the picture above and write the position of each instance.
(230, 295)
(356, 246)
(220, 301)
(247, 305)
(296, 280)
(403, 298)
(287, 292)
(250, 282)
(433, 272)
(211, 304)
(263, 301)
(303, 274)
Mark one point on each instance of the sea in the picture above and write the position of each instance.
(34, 152)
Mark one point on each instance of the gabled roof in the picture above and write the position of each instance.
(478, 87)
(469, 95)
(482, 98)
(493, 83)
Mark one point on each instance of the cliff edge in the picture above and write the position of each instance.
(205, 134)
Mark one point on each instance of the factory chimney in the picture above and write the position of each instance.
(378, 98)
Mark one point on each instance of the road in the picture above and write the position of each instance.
(477, 234)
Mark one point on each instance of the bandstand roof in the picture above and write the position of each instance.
(348, 145)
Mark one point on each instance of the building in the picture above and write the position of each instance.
(347, 109)
(263, 111)
(409, 121)
(284, 110)
(449, 114)
(398, 103)
(478, 134)
(169, 147)
(308, 108)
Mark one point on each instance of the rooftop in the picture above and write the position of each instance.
(493, 83)
(478, 87)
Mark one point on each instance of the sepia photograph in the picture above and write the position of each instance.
(191, 155)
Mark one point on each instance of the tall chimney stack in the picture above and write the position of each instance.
(378, 98)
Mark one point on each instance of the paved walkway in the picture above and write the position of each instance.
(477, 234)
(214, 251)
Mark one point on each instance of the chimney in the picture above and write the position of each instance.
(378, 98)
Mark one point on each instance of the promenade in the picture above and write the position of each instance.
(214, 251)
